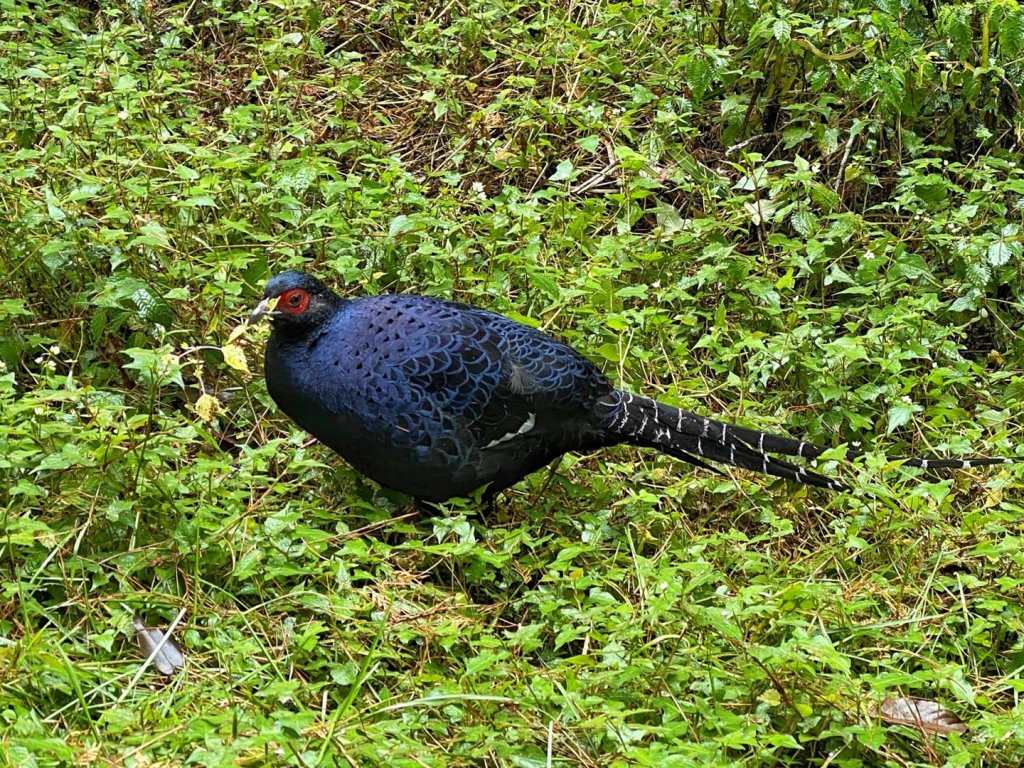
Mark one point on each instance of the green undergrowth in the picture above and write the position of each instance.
(804, 216)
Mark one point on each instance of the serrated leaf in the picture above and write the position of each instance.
(698, 76)
(234, 356)
(155, 366)
(782, 30)
(803, 221)
(978, 274)
(958, 26)
(824, 197)
(1011, 32)
(546, 283)
(999, 253)
(610, 352)
(152, 233)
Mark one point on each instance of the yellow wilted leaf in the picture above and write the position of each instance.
(234, 356)
(207, 407)
(238, 332)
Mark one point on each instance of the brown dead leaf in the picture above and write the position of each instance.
(924, 714)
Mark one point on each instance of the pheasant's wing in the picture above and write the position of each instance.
(499, 380)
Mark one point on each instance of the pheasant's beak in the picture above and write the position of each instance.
(265, 307)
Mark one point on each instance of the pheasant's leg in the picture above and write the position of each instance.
(425, 507)
(552, 471)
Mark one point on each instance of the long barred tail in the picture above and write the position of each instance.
(687, 436)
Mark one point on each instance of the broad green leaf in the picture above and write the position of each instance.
(900, 414)
(398, 225)
(563, 171)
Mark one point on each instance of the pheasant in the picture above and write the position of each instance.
(438, 399)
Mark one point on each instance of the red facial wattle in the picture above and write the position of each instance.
(294, 301)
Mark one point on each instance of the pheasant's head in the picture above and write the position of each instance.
(295, 301)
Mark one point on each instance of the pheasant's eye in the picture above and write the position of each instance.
(294, 301)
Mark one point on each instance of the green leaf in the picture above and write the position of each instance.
(698, 76)
(803, 221)
(846, 348)
(900, 414)
(53, 208)
(13, 308)
(563, 171)
(399, 224)
(1011, 32)
(999, 253)
(668, 218)
(125, 83)
(978, 274)
(152, 233)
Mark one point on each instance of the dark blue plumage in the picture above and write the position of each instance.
(437, 399)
